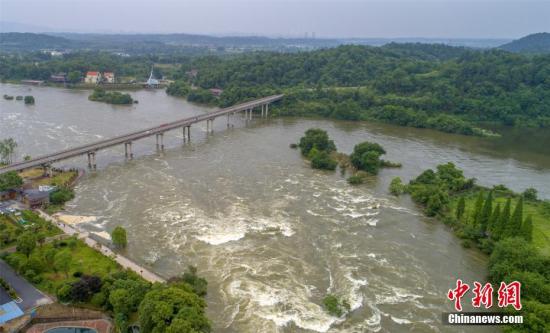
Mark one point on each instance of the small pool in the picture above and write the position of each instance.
(71, 330)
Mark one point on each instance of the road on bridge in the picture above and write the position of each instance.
(128, 138)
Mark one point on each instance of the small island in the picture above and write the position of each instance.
(111, 97)
(365, 159)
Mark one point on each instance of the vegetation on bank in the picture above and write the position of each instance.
(513, 228)
(111, 97)
(449, 89)
(12, 226)
(82, 276)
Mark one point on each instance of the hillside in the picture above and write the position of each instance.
(534, 43)
(16, 41)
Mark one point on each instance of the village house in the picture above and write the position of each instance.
(58, 78)
(109, 77)
(92, 77)
(8, 195)
(216, 92)
(35, 198)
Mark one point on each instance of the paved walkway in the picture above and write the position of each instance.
(123, 261)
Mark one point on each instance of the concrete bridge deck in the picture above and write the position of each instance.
(127, 139)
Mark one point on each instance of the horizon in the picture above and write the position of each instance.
(319, 19)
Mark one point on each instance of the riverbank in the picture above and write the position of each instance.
(514, 229)
(126, 263)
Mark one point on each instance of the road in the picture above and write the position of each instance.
(30, 296)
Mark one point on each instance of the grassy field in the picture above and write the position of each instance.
(539, 210)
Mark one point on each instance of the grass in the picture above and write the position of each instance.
(84, 260)
(539, 210)
(59, 179)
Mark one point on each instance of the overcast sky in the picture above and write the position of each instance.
(326, 18)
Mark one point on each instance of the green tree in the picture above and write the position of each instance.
(494, 227)
(26, 243)
(476, 216)
(74, 77)
(29, 99)
(504, 221)
(10, 180)
(172, 309)
(460, 208)
(7, 150)
(396, 186)
(318, 139)
(517, 219)
(486, 212)
(530, 194)
(118, 235)
(527, 229)
(62, 262)
(120, 300)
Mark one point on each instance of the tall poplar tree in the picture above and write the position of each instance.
(494, 223)
(517, 218)
(486, 212)
(527, 229)
(478, 208)
(504, 220)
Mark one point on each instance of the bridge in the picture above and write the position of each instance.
(90, 150)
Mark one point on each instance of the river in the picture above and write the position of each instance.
(271, 235)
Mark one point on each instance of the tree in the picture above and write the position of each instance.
(486, 212)
(172, 309)
(62, 262)
(460, 208)
(29, 100)
(504, 221)
(61, 195)
(118, 235)
(494, 227)
(7, 150)
(530, 194)
(527, 229)
(10, 180)
(396, 186)
(517, 218)
(478, 208)
(73, 76)
(26, 243)
(318, 139)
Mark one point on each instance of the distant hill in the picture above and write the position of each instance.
(534, 43)
(10, 41)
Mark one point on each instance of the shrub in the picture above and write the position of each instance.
(355, 180)
(396, 186)
(29, 100)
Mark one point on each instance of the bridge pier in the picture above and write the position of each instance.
(161, 136)
(209, 125)
(128, 150)
(91, 161)
(47, 170)
(266, 109)
(189, 133)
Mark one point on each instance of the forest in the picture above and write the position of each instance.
(451, 89)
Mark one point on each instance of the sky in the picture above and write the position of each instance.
(288, 18)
